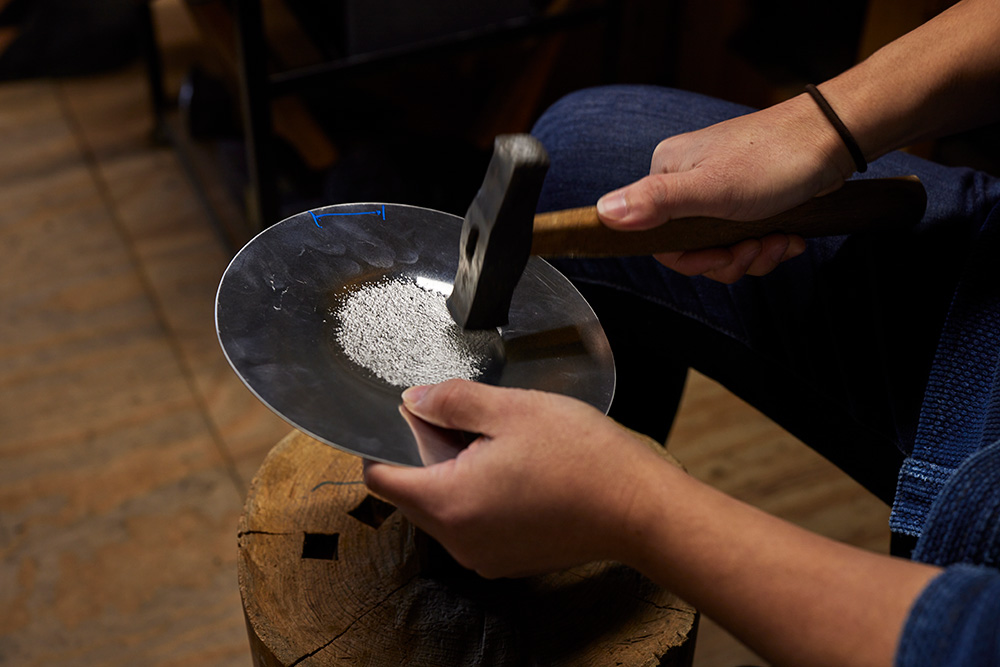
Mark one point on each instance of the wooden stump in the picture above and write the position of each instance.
(330, 574)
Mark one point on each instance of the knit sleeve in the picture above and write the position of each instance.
(963, 524)
(954, 621)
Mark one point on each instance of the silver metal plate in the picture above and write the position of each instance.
(277, 321)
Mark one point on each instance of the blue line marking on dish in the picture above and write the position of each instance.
(380, 213)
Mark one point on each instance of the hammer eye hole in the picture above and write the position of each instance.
(470, 244)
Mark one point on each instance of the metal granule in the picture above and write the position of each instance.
(404, 335)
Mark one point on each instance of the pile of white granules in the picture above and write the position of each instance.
(404, 335)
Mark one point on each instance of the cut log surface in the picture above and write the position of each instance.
(330, 574)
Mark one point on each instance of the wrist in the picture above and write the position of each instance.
(865, 116)
(835, 159)
(652, 518)
(857, 156)
(935, 80)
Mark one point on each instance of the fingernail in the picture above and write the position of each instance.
(795, 248)
(413, 395)
(613, 206)
(777, 254)
(749, 251)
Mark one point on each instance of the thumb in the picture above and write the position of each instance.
(458, 404)
(653, 200)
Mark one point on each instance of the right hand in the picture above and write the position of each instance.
(745, 168)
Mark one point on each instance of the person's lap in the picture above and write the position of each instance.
(834, 345)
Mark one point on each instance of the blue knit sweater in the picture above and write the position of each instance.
(949, 488)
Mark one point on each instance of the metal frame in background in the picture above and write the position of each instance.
(257, 87)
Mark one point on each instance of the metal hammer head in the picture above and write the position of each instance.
(496, 234)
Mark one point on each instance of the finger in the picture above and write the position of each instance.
(772, 250)
(696, 262)
(744, 254)
(460, 404)
(776, 248)
(400, 485)
(796, 246)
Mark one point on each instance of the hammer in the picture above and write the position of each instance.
(501, 230)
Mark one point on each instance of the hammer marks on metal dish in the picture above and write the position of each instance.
(868, 204)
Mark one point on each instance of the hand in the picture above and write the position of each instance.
(746, 168)
(553, 483)
(549, 484)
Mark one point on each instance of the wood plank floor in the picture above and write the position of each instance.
(127, 443)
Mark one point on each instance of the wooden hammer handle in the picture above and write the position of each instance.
(869, 204)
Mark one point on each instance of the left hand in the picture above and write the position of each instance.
(549, 484)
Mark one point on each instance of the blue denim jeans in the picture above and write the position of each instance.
(834, 345)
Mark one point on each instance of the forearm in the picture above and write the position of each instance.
(795, 597)
(941, 78)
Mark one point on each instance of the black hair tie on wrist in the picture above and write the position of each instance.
(845, 135)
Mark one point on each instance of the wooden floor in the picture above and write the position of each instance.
(127, 443)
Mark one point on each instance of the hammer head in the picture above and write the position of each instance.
(496, 235)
